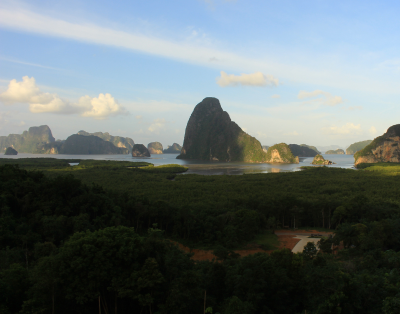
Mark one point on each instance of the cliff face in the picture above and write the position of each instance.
(354, 148)
(139, 150)
(28, 141)
(173, 149)
(385, 148)
(211, 135)
(155, 148)
(281, 153)
(118, 141)
(335, 152)
(302, 151)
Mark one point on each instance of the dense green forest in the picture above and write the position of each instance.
(97, 237)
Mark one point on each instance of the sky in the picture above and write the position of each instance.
(313, 72)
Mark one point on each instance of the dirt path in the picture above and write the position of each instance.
(288, 241)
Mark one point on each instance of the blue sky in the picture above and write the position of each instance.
(314, 72)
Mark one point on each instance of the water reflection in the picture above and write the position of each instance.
(206, 167)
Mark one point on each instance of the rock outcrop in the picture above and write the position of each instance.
(139, 150)
(302, 151)
(10, 151)
(155, 148)
(335, 152)
(265, 148)
(173, 149)
(319, 160)
(354, 148)
(281, 153)
(211, 135)
(118, 141)
(385, 148)
(29, 141)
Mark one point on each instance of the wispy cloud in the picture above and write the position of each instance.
(347, 129)
(327, 98)
(157, 125)
(253, 79)
(27, 92)
(276, 96)
(30, 64)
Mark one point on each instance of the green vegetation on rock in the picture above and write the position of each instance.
(384, 148)
(355, 147)
(320, 160)
(302, 150)
(211, 135)
(311, 147)
(10, 151)
(281, 153)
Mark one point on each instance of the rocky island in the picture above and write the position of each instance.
(10, 151)
(118, 141)
(384, 148)
(82, 145)
(173, 149)
(302, 150)
(281, 153)
(338, 151)
(155, 148)
(139, 150)
(320, 160)
(354, 148)
(29, 141)
(212, 135)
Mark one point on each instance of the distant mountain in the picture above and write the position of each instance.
(83, 145)
(265, 148)
(212, 135)
(155, 148)
(323, 149)
(28, 141)
(173, 149)
(118, 141)
(353, 148)
(335, 152)
(384, 148)
(311, 147)
(302, 150)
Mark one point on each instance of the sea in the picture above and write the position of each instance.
(207, 167)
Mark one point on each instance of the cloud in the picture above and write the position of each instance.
(157, 125)
(373, 131)
(100, 107)
(347, 129)
(26, 91)
(327, 98)
(254, 79)
(276, 96)
(139, 117)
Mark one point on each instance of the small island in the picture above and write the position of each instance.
(10, 151)
(139, 150)
(319, 160)
(173, 149)
(338, 151)
(155, 148)
(281, 153)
